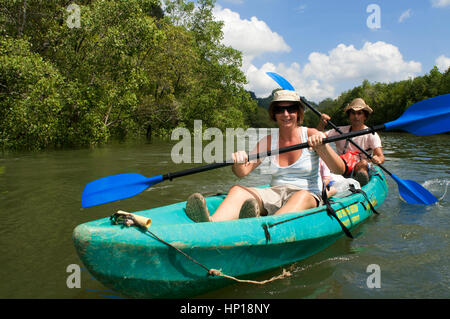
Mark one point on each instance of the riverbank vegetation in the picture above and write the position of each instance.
(128, 68)
(388, 100)
(75, 76)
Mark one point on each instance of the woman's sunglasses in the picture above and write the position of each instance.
(291, 109)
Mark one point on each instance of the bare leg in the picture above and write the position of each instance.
(301, 200)
(230, 207)
(363, 166)
(361, 172)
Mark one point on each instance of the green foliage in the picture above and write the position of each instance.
(390, 100)
(133, 68)
(39, 107)
(30, 96)
(261, 118)
(130, 69)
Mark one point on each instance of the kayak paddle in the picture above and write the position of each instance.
(411, 191)
(121, 186)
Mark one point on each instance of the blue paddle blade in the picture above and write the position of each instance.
(427, 117)
(116, 187)
(414, 193)
(285, 85)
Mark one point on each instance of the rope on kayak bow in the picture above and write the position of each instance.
(128, 219)
(215, 272)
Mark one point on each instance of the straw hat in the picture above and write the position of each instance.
(285, 96)
(358, 104)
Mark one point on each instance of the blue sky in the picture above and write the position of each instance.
(324, 47)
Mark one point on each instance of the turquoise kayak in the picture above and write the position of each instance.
(171, 260)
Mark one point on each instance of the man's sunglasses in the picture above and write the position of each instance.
(291, 109)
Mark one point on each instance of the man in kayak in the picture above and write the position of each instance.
(356, 163)
(296, 183)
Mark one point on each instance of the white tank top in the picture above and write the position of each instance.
(304, 173)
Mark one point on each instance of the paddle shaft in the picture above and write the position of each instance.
(343, 136)
(340, 132)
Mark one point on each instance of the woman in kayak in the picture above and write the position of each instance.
(296, 183)
(357, 164)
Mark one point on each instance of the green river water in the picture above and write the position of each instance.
(40, 206)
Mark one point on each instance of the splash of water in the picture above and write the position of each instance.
(437, 186)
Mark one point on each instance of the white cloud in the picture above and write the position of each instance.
(377, 61)
(324, 73)
(258, 81)
(440, 3)
(405, 15)
(262, 85)
(252, 37)
(443, 63)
